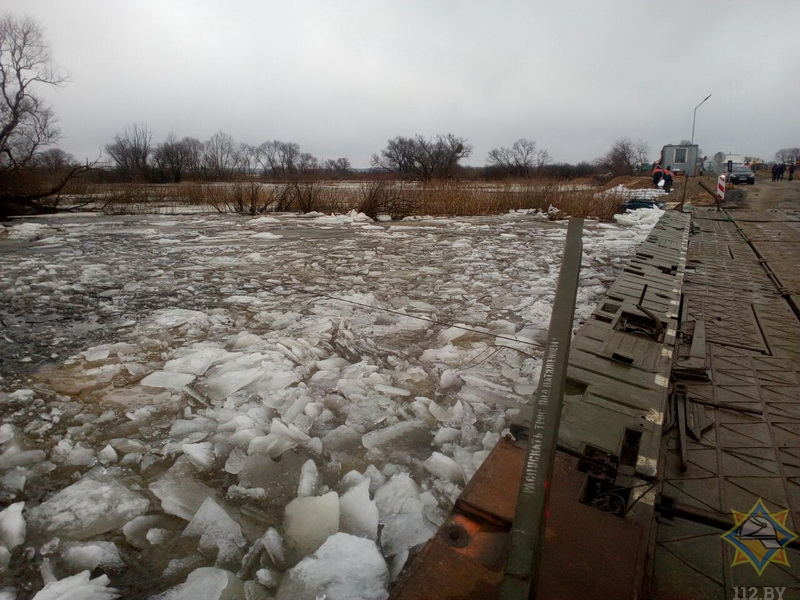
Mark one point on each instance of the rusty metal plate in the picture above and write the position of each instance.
(492, 492)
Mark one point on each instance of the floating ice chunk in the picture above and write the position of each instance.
(199, 361)
(263, 221)
(391, 390)
(180, 494)
(314, 446)
(206, 583)
(5, 560)
(490, 440)
(14, 481)
(404, 437)
(87, 508)
(358, 515)
(268, 578)
(449, 379)
(272, 445)
(332, 363)
(446, 435)
(444, 467)
(350, 480)
(279, 439)
(200, 455)
(137, 529)
(222, 385)
(266, 235)
(96, 354)
(344, 567)
(396, 564)
(168, 318)
(13, 457)
(12, 526)
(479, 457)
(254, 591)
(451, 334)
(79, 586)
(168, 379)
(8, 432)
(82, 557)
(376, 478)
(29, 232)
(309, 479)
(107, 455)
(157, 536)
(448, 354)
(451, 415)
(273, 544)
(235, 461)
(78, 455)
(308, 523)
(401, 511)
(343, 439)
(217, 530)
(280, 477)
(236, 492)
(466, 460)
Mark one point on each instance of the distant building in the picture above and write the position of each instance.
(680, 157)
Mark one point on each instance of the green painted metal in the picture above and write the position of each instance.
(527, 532)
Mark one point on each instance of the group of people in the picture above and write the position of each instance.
(778, 169)
(662, 178)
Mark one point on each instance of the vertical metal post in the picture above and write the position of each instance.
(691, 142)
(527, 532)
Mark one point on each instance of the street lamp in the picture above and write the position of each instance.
(691, 143)
(694, 118)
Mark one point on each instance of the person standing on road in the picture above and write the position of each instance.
(781, 169)
(658, 173)
(774, 171)
(791, 171)
(667, 178)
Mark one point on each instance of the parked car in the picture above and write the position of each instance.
(742, 174)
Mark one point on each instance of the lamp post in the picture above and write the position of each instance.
(686, 179)
(694, 118)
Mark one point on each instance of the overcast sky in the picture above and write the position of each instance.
(341, 77)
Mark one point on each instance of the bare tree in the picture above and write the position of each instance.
(27, 124)
(399, 156)
(785, 155)
(55, 160)
(131, 151)
(642, 150)
(520, 160)
(280, 159)
(172, 158)
(307, 163)
(221, 157)
(339, 166)
(249, 160)
(194, 150)
(423, 158)
(621, 159)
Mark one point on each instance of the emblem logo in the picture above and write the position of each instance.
(760, 537)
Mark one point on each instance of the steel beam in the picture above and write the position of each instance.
(527, 532)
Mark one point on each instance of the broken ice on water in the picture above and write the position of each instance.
(261, 406)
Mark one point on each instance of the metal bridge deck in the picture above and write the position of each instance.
(637, 506)
(742, 283)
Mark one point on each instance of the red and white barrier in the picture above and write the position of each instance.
(721, 187)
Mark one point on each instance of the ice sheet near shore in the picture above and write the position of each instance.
(271, 407)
